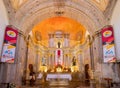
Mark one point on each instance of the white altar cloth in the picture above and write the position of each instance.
(59, 76)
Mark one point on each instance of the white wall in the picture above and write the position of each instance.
(115, 21)
(3, 22)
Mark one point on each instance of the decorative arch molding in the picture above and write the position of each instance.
(32, 12)
(81, 18)
(110, 7)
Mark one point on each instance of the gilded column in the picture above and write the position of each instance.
(64, 60)
(69, 61)
(53, 59)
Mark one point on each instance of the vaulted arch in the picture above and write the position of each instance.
(28, 16)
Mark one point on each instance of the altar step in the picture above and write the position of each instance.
(58, 84)
(58, 87)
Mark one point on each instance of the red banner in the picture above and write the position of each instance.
(108, 44)
(9, 45)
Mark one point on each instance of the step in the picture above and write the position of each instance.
(64, 83)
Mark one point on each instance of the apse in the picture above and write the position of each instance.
(42, 30)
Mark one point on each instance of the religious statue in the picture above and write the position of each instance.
(43, 61)
(87, 76)
(74, 61)
(59, 44)
(32, 75)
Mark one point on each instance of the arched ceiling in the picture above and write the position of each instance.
(102, 4)
(26, 14)
(32, 12)
(63, 24)
(16, 4)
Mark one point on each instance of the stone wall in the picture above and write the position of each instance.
(3, 22)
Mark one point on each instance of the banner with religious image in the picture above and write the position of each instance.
(9, 45)
(108, 44)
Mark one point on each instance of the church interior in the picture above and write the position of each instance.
(59, 45)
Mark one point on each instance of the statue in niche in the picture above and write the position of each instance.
(38, 36)
(59, 45)
(43, 61)
(74, 61)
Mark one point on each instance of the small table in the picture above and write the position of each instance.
(108, 81)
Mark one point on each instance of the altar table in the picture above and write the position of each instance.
(59, 76)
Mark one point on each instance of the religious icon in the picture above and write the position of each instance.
(31, 75)
(59, 44)
(74, 61)
(38, 36)
(44, 61)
